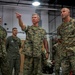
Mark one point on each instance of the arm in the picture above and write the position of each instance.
(46, 47)
(20, 43)
(20, 21)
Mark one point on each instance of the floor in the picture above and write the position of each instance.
(43, 74)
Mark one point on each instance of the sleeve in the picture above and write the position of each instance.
(3, 33)
(58, 33)
(4, 48)
(25, 29)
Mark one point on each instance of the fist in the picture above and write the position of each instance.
(18, 15)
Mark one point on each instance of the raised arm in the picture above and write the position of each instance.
(20, 20)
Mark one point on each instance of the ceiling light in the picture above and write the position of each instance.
(36, 3)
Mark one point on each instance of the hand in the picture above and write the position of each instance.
(47, 55)
(18, 15)
(53, 61)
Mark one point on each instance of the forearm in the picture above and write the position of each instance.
(46, 46)
(21, 23)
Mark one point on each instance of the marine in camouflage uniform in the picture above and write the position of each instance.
(35, 36)
(66, 32)
(4, 65)
(13, 45)
(33, 50)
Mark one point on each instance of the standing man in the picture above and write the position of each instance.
(66, 31)
(13, 45)
(35, 37)
(3, 54)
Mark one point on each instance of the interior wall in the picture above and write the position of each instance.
(10, 20)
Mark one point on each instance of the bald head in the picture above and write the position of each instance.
(65, 13)
(66, 9)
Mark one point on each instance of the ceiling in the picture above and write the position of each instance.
(28, 2)
(63, 2)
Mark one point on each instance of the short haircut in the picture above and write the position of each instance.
(36, 14)
(14, 28)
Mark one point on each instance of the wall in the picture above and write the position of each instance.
(9, 18)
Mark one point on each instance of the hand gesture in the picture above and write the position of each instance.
(18, 15)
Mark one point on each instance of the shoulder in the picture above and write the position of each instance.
(18, 38)
(2, 29)
(60, 26)
(41, 28)
(9, 37)
(73, 20)
(3, 32)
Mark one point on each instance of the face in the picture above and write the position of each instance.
(65, 12)
(35, 19)
(14, 31)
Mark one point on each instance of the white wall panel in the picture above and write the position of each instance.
(44, 18)
(9, 17)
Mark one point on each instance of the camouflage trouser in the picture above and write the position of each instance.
(68, 64)
(57, 68)
(57, 65)
(43, 58)
(14, 64)
(4, 65)
(32, 66)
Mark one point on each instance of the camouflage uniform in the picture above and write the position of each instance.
(57, 57)
(33, 49)
(13, 45)
(67, 33)
(3, 54)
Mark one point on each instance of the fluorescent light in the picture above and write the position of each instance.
(36, 3)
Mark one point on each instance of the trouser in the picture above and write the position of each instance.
(68, 64)
(32, 66)
(57, 69)
(14, 64)
(57, 66)
(4, 65)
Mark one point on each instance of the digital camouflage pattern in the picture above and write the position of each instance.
(3, 54)
(3, 35)
(66, 31)
(33, 50)
(34, 41)
(57, 57)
